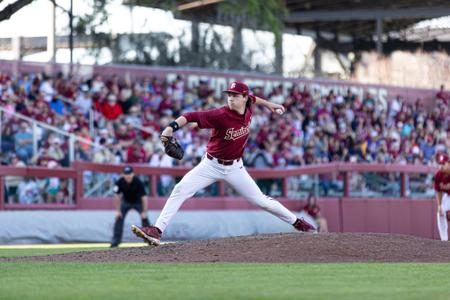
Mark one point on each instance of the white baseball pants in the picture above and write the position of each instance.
(209, 171)
(442, 220)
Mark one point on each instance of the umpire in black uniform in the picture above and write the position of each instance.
(129, 194)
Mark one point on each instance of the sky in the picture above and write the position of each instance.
(140, 19)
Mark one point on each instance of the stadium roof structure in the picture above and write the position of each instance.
(341, 25)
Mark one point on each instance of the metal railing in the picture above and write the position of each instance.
(72, 138)
(285, 184)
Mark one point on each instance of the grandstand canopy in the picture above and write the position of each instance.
(338, 25)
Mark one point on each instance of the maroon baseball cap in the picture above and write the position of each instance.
(442, 158)
(237, 88)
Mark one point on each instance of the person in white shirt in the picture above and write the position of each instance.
(47, 90)
(158, 159)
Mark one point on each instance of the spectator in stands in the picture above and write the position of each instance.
(125, 135)
(97, 84)
(28, 192)
(62, 196)
(259, 157)
(111, 109)
(46, 89)
(178, 89)
(51, 185)
(275, 190)
(83, 99)
(71, 123)
(103, 155)
(166, 182)
(55, 150)
(9, 128)
(106, 134)
(317, 123)
(12, 182)
(443, 95)
(130, 100)
(86, 135)
(313, 210)
(136, 153)
(23, 142)
(277, 95)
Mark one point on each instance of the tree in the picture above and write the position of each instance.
(12, 8)
(87, 26)
(206, 48)
(255, 14)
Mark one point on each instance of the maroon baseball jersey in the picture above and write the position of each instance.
(230, 130)
(442, 182)
(312, 211)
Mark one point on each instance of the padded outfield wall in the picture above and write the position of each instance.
(90, 219)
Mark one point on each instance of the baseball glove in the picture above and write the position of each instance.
(172, 147)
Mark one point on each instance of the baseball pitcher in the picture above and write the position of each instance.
(230, 126)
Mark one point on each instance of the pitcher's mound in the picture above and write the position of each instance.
(278, 248)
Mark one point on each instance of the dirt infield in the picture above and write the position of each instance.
(275, 248)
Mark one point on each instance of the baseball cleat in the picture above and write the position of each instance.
(302, 225)
(150, 234)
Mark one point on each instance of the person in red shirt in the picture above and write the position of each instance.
(136, 153)
(111, 110)
(313, 210)
(442, 188)
(230, 126)
(442, 94)
(125, 135)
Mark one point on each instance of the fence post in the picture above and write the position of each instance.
(71, 147)
(403, 185)
(153, 186)
(2, 192)
(91, 122)
(346, 184)
(35, 138)
(221, 188)
(316, 185)
(284, 187)
(78, 184)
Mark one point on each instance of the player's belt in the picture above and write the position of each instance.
(222, 161)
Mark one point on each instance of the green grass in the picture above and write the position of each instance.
(25, 280)
(38, 280)
(40, 251)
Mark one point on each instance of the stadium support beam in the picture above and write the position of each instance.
(51, 38)
(389, 45)
(196, 4)
(379, 33)
(367, 14)
(71, 35)
(317, 56)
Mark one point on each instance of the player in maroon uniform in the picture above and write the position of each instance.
(442, 187)
(230, 126)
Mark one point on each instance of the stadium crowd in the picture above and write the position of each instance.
(317, 128)
(128, 117)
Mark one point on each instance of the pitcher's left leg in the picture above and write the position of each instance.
(244, 184)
